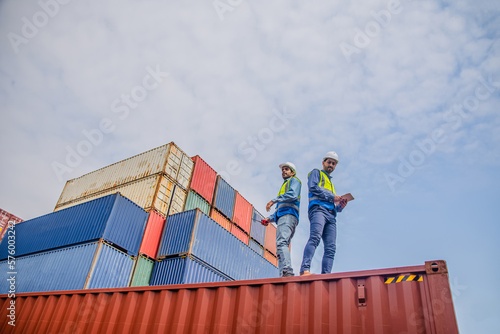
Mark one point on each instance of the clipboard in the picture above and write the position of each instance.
(347, 197)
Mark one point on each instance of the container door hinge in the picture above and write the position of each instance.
(361, 293)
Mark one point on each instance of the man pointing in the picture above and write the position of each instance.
(286, 216)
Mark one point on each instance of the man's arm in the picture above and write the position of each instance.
(316, 190)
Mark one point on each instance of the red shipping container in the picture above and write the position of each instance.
(242, 213)
(152, 234)
(271, 258)
(203, 179)
(219, 218)
(5, 218)
(270, 243)
(347, 302)
(240, 234)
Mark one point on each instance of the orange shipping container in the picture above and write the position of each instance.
(270, 243)
(219, 218)
(270, 257)
(354, 302)
(240, 234)
(242, 213)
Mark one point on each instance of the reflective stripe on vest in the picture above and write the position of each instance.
(284, 188)
(324, 182)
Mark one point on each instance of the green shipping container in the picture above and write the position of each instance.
(194, 201)
(142, 271)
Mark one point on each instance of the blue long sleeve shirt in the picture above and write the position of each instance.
(291, 195)
(322, 194)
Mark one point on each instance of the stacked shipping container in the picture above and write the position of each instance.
(229, 208)
(156, 180)
(194, 234)
(91, 245)
(88, 220)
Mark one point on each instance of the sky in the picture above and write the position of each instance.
(406, 92)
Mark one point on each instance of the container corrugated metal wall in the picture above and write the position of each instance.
(61, 269)
(270, 257)
(151, 193)
(164, 159)
(203, 179)
(152, 234)
(353, 302)
(143, 269)
(220, 219)
(185, 171)
(256, 247)
(113, 218)
(178, 233)
(258, 231)
(89, 265)
(178, 201)
(224, 197)
(240, 234)
(195, 233)
(242, 213)
(270, 243)
(184, 270)
(194, 201)
(112, 269)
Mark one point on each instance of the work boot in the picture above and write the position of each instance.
(305, 273)
(288, 274)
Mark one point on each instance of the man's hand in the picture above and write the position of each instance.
(269, 205)
(265, 221)
(337, 199)
(343, 203)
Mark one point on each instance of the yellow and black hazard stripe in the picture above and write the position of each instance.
(404, 278)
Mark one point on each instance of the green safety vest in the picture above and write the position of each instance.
(325, 183)
(284, 188)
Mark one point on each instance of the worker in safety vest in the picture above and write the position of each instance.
(324, 205)
(286, 216)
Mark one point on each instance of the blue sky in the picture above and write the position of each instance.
(406, 92)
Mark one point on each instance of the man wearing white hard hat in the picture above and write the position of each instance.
(324, 205)
(286, 216)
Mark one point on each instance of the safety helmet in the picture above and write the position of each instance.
(331, 155)
(289, 165)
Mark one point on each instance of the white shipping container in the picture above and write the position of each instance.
(178, 201)
(185, 171)
(152, 192)
(164, 159)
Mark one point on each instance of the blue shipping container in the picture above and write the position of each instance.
(258, 231)
(193, 232)
(68, 269)
(113, 218)
(185, 270)
(225, 196)
(256, 247)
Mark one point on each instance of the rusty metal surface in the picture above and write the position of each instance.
(352, 302)
(154, 192)
(164, 159)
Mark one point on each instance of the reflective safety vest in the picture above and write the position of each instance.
(325, 183)
(280, 207)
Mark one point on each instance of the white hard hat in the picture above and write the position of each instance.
(289, 165)
(331, 155)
